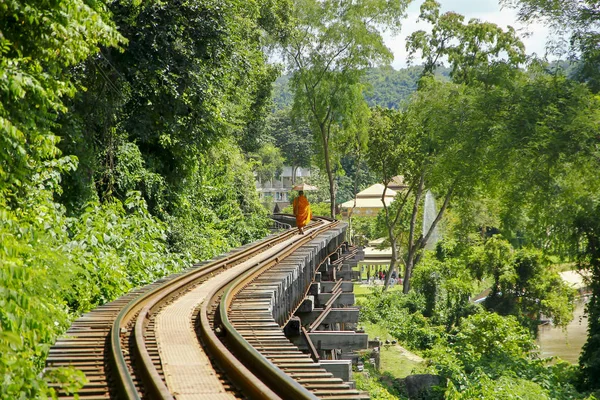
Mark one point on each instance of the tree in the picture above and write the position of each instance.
(327, 53)
(441, 141)
(38, 43)
(386, 132)
(580, 20)
(268, 162)
(477, 51)
(193, 72)
(293, 138)
(438, 143)
(548, 157)
(524, 284)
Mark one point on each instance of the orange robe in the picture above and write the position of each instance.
(302, 211)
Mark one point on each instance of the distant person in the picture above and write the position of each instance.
(302, 211)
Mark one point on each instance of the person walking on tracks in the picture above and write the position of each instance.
(302, 211)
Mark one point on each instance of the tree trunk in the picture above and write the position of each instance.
(294, 169)
(328, 168)
(414, 254)
(407, 275)
(355, 193)
(393, 263)
(391, 225)
(412, 246)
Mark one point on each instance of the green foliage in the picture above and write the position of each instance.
(320, 209)
(118, 246)
(192, 73)
(384, 86)
(489, 354)
(267, 162)
(364, 227)
(437, 143)
(577, 19)
(39, 41)
(447, 288)
(484, 353)
(403, 316)
(370, 380)
(477, 51)
(327, 52)
(294, 138)
(505, 388)
(550, 199)
(135, 122)
(53, 267)
(34, 279)
(528, 287)
(390, 88)
(587, 224)
(219, 209)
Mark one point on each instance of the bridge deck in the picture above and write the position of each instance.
(188, 371)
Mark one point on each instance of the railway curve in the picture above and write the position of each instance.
(212, 331)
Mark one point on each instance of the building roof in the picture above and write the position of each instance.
(371, 197)
(375, 191)
(397, 183)
(367, 202)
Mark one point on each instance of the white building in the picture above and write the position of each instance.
(278, 189)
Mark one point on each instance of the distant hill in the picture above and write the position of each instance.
(386, 86)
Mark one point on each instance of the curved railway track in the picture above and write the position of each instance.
(212, 331)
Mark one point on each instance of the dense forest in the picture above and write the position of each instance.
(131, 134)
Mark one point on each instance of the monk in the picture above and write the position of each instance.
(302, 211)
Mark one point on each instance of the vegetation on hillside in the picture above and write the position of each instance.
(123, 127)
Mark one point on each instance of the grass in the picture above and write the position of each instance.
(395, 362)
(393, 359)
(364, 290)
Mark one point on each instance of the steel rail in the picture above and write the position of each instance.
(144, 303)
(253, 388)
(279, 381)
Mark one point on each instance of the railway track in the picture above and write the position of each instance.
(213, 331)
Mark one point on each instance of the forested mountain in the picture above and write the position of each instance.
(385, 86)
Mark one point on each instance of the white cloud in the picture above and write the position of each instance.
(534, 36)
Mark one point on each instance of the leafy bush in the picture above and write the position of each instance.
(53, 267)
(219, 208)
(482, 354)
(490, 355)
(116, 246)
(370, 381)
(505, 388)
(402, 315)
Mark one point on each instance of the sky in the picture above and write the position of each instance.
(533, 36)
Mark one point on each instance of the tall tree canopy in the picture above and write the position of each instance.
(547, 159)
(293, 137)
(579, 19)
(438, 144)
(476, 51)
(192, 72)
(327, 52)
(37, 42)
